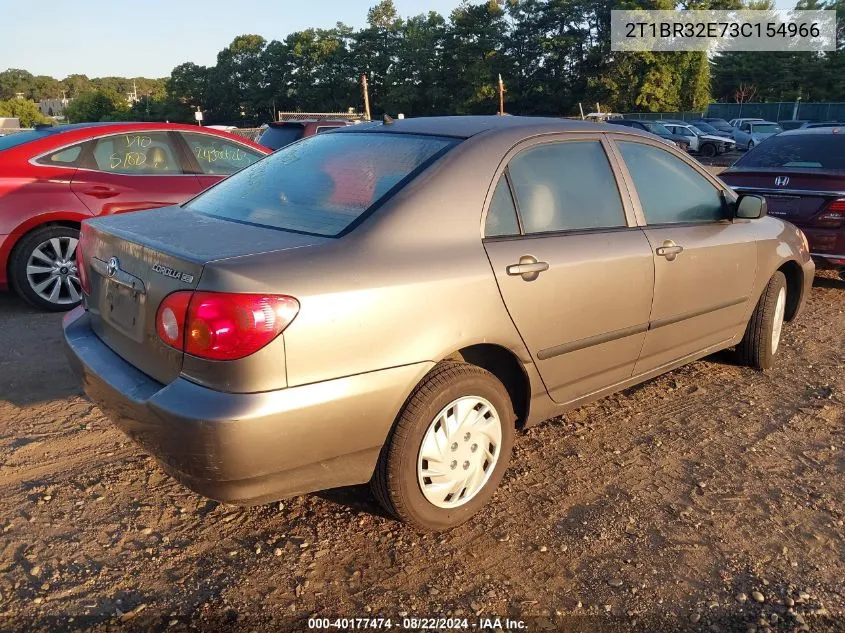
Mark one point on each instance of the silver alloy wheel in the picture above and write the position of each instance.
(777, 325)
(459, 451)
(51, 271)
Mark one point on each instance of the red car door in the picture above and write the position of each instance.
(216, 157)
(133, 171)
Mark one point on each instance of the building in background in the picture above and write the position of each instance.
(54, 107)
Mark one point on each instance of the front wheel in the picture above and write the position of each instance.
(43, 268)
(762, 334)
(750, 145)
(448, 450)
(708, 150)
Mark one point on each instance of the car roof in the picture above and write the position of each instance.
(817, 131)
(467, 126)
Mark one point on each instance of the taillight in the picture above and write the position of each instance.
(170, 319)
(834, 214)
(223, 326)
(79, 256)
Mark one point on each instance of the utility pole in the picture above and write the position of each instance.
(366, 97)
(501, 96)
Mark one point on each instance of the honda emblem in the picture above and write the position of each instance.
(782, 181)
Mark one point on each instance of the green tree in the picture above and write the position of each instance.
(96, 105)
(25, 110)
(14, 81)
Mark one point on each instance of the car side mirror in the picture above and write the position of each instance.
(750, 207)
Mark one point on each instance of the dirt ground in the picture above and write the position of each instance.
(709, 499)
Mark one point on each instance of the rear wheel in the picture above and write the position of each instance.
(448, 450)
(762, 334)
(43, 268)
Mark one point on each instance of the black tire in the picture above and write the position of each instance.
(750, 145)
(708, 150)
(18, 265)
(756, 348)
(395, 482)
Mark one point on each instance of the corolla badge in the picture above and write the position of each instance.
(113, 266)
(173, 274)
(782, 181)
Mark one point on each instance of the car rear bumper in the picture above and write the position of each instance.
(245, 448)
(827, 246)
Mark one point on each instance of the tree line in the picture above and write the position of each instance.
(552, 55)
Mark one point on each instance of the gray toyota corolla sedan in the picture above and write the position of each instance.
(392, 303)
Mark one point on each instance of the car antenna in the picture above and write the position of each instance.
(387, 119)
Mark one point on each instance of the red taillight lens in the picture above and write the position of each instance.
(834, 215)
(79, 256)
(223, 326)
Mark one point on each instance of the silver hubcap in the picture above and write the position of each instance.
(777, 326)
(459, 451)
(51, 271)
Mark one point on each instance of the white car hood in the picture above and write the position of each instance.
(713, 137)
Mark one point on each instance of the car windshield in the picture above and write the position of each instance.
(696, 129)
(721, 124)
(706, 128)
(765, 128)
(276, 137)
(323, 184)
(19, 138)
(658, 128)
(813, 151)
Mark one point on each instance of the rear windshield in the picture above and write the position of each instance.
(322, 184)
(276, 137)
(19, 138)
(813, 151)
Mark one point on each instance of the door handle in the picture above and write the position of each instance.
(100, 192)
(669, 250)
(528, 268)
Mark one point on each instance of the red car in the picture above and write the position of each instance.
(801, 173)
(52, 178)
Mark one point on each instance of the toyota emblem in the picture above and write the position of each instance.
(782, 181)
(113, 267)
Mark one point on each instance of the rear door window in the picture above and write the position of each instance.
(501, 216)
(566, 186)
(670, 191)
(323, 184)
(67, 157)
(137, 153)
(219, 156)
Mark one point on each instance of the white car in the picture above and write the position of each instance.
(738, 122)
(700, 142)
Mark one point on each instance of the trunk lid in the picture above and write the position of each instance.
(799, 199)
(134, 260)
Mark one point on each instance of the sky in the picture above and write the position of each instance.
(147, 38)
